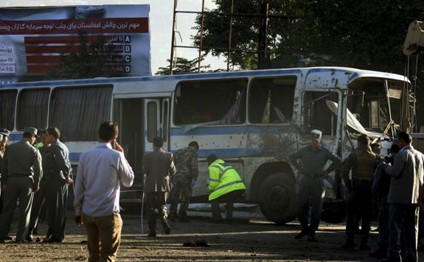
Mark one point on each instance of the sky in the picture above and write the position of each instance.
(161, 13)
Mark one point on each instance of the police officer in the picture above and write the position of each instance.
(58, 173)
(4, 138)
(312, 158)
(186, 163)
(39, 202)
(225, 186)
(362, 162)
(22, 172)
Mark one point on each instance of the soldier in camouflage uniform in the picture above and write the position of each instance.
(182, 183)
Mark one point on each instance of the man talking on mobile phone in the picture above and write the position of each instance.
(101, 171)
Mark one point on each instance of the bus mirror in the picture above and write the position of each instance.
(414, 40)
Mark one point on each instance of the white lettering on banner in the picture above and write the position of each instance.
(6, 50)
(123, 28)
(7, 69)
(6, 59)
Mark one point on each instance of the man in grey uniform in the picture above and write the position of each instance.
(58, 171)
(21, 176)
(4, 138)
(311, 184)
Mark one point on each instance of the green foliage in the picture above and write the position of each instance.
(367, 34)
(183, 66)
(89, 61)
(358, 33)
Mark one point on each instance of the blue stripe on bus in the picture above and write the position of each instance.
(74, 157)
(203, 153)
(222, 130)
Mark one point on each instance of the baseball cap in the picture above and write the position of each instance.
(316, 135)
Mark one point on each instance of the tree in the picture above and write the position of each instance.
(89, 61)
(242, 50)
(366, 34)
(183, 66)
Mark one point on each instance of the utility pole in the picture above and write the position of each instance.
(263, 61)
(171, 66)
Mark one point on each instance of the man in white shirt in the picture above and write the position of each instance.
(101, 170)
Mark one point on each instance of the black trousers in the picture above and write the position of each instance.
(229, 199)
(359, 201)
(156, 201)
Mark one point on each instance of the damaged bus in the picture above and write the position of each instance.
(252, 119)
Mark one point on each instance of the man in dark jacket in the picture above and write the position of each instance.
(157, 166)
(362, 162)
(380, 190)
(406, 185)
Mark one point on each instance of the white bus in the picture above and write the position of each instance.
(252, 119)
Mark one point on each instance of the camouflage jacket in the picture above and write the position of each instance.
(186, 163)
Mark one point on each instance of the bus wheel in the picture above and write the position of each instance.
(277, 198)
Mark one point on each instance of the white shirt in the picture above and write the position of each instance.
(101, 170)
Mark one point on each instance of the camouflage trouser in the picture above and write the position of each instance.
(181, 192)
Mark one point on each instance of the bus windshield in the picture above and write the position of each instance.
(376, 103)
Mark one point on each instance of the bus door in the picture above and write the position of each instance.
(156, 122)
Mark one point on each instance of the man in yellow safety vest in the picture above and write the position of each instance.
(225, 186)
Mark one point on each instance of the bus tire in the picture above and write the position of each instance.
(277, 198)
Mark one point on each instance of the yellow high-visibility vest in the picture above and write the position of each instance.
(223, 178)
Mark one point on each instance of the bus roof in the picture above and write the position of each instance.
(353, 72)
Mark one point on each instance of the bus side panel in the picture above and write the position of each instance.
(237, 144)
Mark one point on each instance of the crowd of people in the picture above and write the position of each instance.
(393, 182)
(33, 177)
(37, 176)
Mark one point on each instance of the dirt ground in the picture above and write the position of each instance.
(249, 238)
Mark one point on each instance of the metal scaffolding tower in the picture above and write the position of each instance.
(262, 36)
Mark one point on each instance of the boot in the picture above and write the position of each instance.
(349, 245)
(311, 237)
(380, 252)
(216, 212)
(364, 244)
(302, 233)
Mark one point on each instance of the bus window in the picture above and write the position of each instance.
(164, 120)
(7, 105)
(317, 114)
(78, 111)
(32, 108)
(369, 101)
(217, 101)
(152, 120)
(271, 100)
